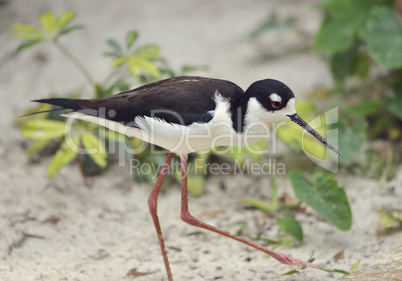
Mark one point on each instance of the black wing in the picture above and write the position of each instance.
(181, 100)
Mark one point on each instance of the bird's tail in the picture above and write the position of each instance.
(71, 104)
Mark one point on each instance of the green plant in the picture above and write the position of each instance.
(341, 271)
(140, 62)
(322, 194)
(357, 37)
(144, 63)
(361, 42)
(272, 22)
(390, 221)
(52, 28)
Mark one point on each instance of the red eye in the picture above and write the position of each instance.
(276, 104)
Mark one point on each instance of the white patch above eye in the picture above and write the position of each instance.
(275, 97)
(289, 109)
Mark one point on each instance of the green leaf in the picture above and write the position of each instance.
(20, 122)
(150, 68)
(131, 38)
(133, 66)
(394, 105)
(115, 46)
(271, 23)
(333, 36)
(28, 32)
(62, 157)
(324, 196)
(118, 61)
(36, 146)
(355, 265)
(345, 8)
(362, 65)
(95, 148)
(43, 129)
(200, 162)
(48, 21)
(89, 167)
(290, 226)
(344, 21)
(66, 30)
(236, 153)
(196, 185)
(343, 63)
(284, 240)
(64, 19)
(256, 150)
(119, 85)
(195, 175)
(291, 272)
(190, 68)
(262, 205)
(383, 33)
(27, 44)
(341, 271)
(351, 138)
(242, 227)
(305, 108)
(291, 135)
(148, 52)
(111, 54)
(136, 64)
(363, 109)
(390, 218)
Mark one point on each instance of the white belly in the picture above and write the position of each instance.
(186, 139)
(173, 137)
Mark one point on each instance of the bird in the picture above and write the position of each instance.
(186, 114)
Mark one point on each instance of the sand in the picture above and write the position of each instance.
(105, 231)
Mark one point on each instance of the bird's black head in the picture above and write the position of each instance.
(272, 94)
(270, 101)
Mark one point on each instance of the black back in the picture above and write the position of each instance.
(181, 100)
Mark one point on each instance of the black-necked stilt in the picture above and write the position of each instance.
(188, 114)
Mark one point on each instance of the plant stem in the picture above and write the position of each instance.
(275, 199)
(76, 62)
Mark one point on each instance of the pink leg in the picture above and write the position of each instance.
(188, 218)
(153, 205)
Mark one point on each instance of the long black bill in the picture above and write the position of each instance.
(296, 118)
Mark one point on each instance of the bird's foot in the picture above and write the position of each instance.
(296, 264)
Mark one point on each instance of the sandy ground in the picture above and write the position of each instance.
(105, 231)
